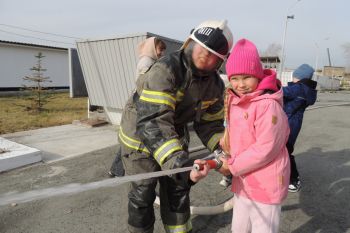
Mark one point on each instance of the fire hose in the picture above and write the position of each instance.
(15, 197)
(208, 210)
(214, 162)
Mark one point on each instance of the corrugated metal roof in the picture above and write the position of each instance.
(109, 67)
(132, 35)
(31, 45)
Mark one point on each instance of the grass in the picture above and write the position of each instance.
(59, 110)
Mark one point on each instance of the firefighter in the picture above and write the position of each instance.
(180, 88)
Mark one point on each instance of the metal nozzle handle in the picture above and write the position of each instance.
(213, 164)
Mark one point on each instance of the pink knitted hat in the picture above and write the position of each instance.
(244, 59)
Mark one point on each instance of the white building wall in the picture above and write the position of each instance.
(17, 60)
(327, 83)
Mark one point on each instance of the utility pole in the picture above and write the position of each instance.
(284, 45)
(284, 38)
(329, 57)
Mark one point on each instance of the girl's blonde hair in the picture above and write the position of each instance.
(225, 142)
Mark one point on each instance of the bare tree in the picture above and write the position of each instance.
(38, 91)
(273, 49)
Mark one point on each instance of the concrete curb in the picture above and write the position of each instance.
(16, 155)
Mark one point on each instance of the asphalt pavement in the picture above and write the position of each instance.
(322, 154)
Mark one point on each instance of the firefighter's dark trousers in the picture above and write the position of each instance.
(174, 196)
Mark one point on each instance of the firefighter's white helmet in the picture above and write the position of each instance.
(213, 35)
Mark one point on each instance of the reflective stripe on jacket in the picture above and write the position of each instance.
(155, 119)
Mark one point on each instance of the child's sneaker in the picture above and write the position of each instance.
(226, 181)
(294, 186)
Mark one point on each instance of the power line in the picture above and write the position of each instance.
(48, 33)
(13, 33)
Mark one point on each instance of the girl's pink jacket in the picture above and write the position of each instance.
(258, 133)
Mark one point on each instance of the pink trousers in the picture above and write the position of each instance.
(254, 217)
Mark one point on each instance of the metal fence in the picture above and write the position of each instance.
(109, 69)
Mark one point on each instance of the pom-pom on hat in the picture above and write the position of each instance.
(303, 72)
(244, 59)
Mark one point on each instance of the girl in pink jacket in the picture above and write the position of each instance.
(257, 133)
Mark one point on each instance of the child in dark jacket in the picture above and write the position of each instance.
(297, 96)
(149, 51)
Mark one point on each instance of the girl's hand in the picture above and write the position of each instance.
(224, 168)
(195, 175)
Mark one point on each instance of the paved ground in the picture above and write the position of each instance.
(323, 151)
(62, 142)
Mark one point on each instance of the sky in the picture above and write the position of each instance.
(317, 24)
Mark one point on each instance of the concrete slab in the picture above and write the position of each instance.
(14, 155)
(60, 142)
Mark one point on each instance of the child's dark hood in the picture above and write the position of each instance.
(308, 87)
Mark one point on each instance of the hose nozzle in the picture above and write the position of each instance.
(213, 164)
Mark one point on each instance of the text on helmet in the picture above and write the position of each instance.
(205, 31)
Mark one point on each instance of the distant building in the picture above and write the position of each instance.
(273, 62)
(346, 81)
(333, 71)
(270, 62)
(18, 58)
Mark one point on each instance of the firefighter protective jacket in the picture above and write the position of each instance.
(172, 95)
